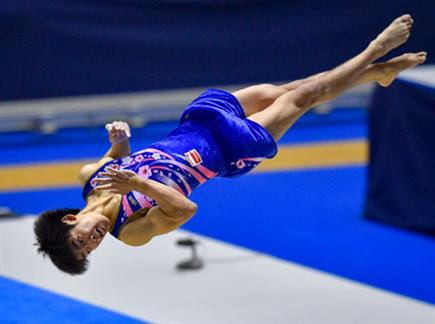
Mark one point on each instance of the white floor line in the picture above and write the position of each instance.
(236, 285)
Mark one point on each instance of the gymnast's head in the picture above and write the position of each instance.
(68, 236)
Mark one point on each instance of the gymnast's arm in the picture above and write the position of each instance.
(119, 134)
(173, 210)
(156, 222)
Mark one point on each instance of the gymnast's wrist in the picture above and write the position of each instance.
(138, 184)
(121, 149)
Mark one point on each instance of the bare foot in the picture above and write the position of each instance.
(393, 67)
(394, 35)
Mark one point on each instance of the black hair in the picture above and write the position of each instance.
(52, 239)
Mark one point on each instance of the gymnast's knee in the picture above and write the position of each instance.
(307, 95)
(269, 92)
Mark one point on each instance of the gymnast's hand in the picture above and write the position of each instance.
(117, 181)
(118, 132)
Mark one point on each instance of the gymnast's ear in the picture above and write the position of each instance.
(69, 219)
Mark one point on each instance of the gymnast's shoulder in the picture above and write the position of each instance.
(89, 169)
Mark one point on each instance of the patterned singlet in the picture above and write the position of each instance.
(214, 139)
(183, 161)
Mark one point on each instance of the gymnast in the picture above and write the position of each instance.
(136, 196)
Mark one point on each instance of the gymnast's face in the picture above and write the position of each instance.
(88, 232)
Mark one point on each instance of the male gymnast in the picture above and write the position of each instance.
(136, 196)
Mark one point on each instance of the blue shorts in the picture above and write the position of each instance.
(242, 142)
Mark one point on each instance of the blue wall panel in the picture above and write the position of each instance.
(63, 47)
(402, 157)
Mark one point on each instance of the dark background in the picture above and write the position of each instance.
(75, 47)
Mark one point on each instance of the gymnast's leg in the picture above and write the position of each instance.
(258, 97)
(279, 116)
(383, 73)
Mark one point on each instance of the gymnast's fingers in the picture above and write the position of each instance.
(126, 128)
(106, 174)
(128, 173)
(122, 174)
(103, 180)
(109, 127)
(114, 179)
(111, 170)
(119, 125)
(116, 175)
(103, 187)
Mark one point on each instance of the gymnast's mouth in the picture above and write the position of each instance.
(100, 231)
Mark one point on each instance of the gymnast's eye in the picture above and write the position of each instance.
(74, 244)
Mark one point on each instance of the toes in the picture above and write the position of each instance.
(405, 18)
(408, 23)
(406, 26)
(421, 57)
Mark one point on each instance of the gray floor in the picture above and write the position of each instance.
(236, 286)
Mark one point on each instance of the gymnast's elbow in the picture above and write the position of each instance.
(136, 240)
(188, 211)
(137, 234)
(182, 213)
